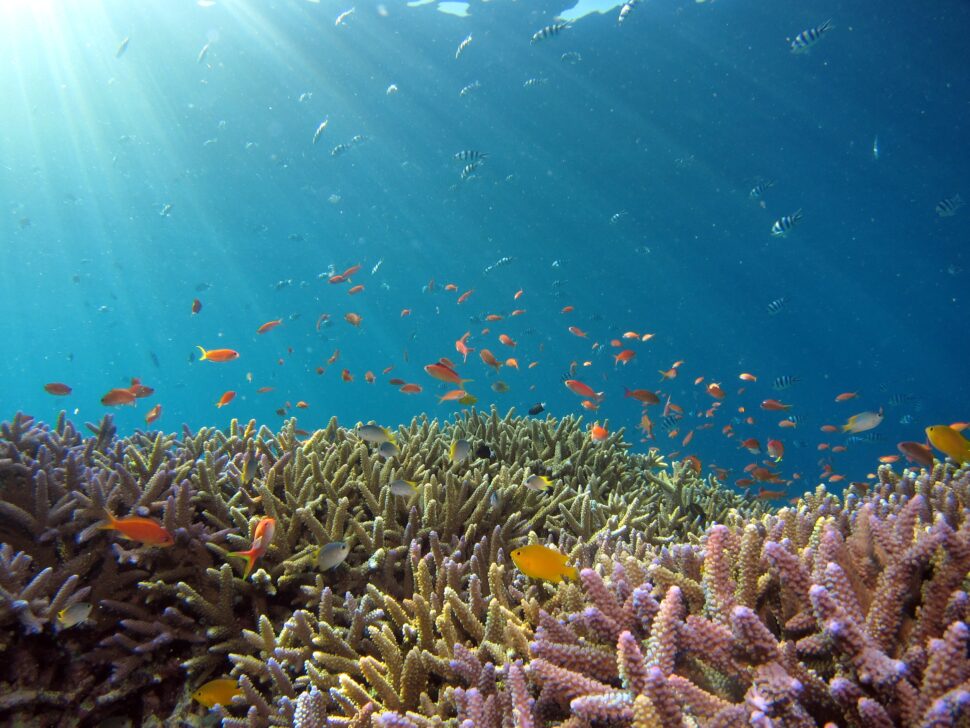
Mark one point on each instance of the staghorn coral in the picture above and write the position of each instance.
(424, 573)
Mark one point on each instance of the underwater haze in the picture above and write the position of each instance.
(771, 189)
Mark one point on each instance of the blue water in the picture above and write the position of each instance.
(670, 118)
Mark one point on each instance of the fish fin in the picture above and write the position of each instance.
(204, 352)
(250, 560)
(111, 525)
(571, 572)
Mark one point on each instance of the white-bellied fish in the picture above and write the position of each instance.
(459, 450)
(862, 422)
(374, 434)
(538, 483)
(465, 90)
(203, 53)
(948, 206)
(777, 306)
(784, 224)
(342, 18)
(626, 10)
(391, 90)
(339, 149)
(538, 81)
(332, 555)
(73, 615)
(320, 129)
(388, 450)
(469, 170)
(403, 488)
(470, 155)
(462, 46)
(122, 48)
(549, 31)
(804, 41)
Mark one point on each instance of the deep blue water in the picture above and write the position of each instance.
(670, 118)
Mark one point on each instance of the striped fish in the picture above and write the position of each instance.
(670, 421)
(470, 155)
(784, 224)
(776, 306)
(948, 207)
(549, 31)
(469, 88)
(626, 10)
(758, 191)
(339, 149)
(469, 170)
(462, 46)
(535, 82)
(867, 437)
(804, 41)
(784, 382)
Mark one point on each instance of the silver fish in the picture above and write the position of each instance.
(549, 31)
(469, 88)
(122, 48)
(462, 46)
(343, 16)
(73, 615)
(332, 555)
(203, 53)
(388, 450)
(403, 488)
(319, 131)
(459, 451)
(374, 434)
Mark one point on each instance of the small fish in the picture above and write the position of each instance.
(541, 562)
(626, 10)
(248, 470)
(862, 422)
(339, 149)
(217, 692)
(57, 389)
(783, 225)
(122, 48)
(468, 400)
(117, 397)
(462, 46)
(343, 17)
(459, 450)
(598, 433)
(948, 206)
(196, 306)
(468, 171)
(583, 390)
(642, 395)
(777, 306)
(153, 414)
(374, 434)
(617, 216)
(846, 396)
(947, 440)
(203, 53)
(784, 382)
(773, 405)
(332, 555)
(166, 210)
(226, 398)
(470, 155)
(875, 148)
(571, 57)
(537, 408)
(804, 41)
(353, 319)
(917, 452)
(536, 81)
(388, 450)
(135, 528)
(549, 31)
(402, 488)
(757, 192)
(73, 615)
(776, 450)
(262, 538)
(469, 88)
(483, 451)
(538, 483)
(500, 387)
(217, 355)
(320, 129)
(391, 90)
(269, 326)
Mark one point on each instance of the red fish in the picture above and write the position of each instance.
(624, 357)
(917, 452)
(147, 530)
(464, 297)
(774, 405)
(445, 373)
(507, 340)
(217, 355)
(58, 389)
(776, 449)
(598, 433)
(226, 398)
(262, 537)
(583, 390)
(117, 397)
(411, 389)
(196, 306)
(140, 390)
(269, 326)
(354, 290)
(642, 395)
(489, 358)
(153, 414)
(353, 318)
(576, 331)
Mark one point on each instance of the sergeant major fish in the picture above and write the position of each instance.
(469, 88)
(320, 129)
(783, 225)
(804, 41)
(549, 31)
(462, 46)
(948, 206)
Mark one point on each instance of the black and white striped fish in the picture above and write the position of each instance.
(469, 88)
(784, 382)
(626, 10)
(784, 224)
(776, 306)
(804, 41)
(549, 31)
(470, 155)
(469, 170)
(462, 46)
(670, 421)
(339, 149)
(758, 191)
(867, 437)
(535, 82)
(948, 206)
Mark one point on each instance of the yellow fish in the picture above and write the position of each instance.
(863, 421)
(949, 441)
(542, 562)
(220, 691)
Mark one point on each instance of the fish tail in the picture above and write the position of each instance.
(204, 352)
(250, 557)
(111, 525)
(571, 572)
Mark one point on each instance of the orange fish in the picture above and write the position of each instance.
(117, 397)
(269, 326)
(405, 312)
(583, 390)
(494, 317)
(336, 279)
(512, 362)
(836, 478)
(839, 448)
(489, 358)
(445, 373)
(624, 357)
(153, 414)
(369, 377)
(334, 356)
(829, 428)
(788, 423)
(262, 537)
(642, 395)
(917, 452)
(631, 335)
(517, 312)
(576, 331)
(774, 405)
(451, 287)
(462, 347)
(135, 528)
(687, 438)
(507, 340)
(354, 290)
(196, 306)
(226, 398)
(410, 388)
(58, 389)
(887, 459)
(353, 319)
(598, 433)
(846, 396)
(764, 494)
(217, 355)
(464, 297)
(669, 374)
(592, 406)
(346, 375)
(264, 390)
(567, 309)
(698, 381)
(744, 376)
(140, 390)
(350, 271)
(452, 395)
(301, 405)
(715, 390)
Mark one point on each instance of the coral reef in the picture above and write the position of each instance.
(694, 606)
(423, 573)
